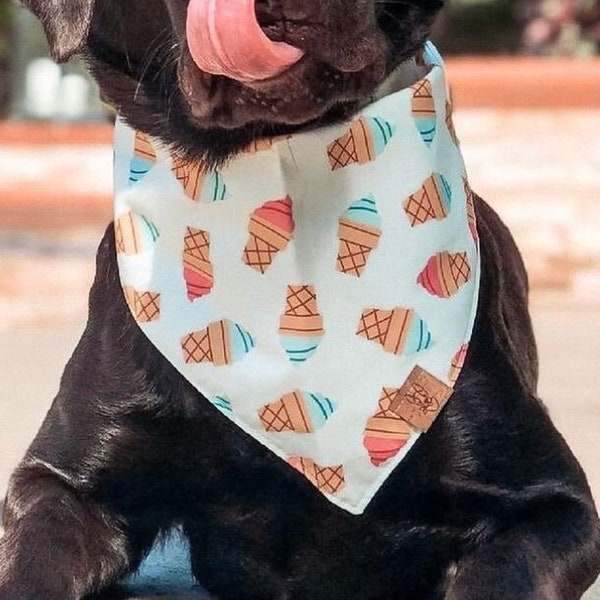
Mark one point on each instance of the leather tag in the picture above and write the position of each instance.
(420, 400)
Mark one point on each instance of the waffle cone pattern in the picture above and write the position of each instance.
(143, 159)
(145, 306)
(197, 268)
(301, 325)
(458, 361)
(471, 217)
(445, 273)
(399, 331)
(270, 229)
(423, 110)
(221, 343)
(385, 433)
(134, 233)
(359, 231)
(431, 201)
(299, 411)
(364, 141)
(327, 479)
(190, 175)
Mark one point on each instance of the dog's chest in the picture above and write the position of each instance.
(320, 290)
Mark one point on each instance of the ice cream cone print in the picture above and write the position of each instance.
(399, 331)
(197, 268)
(190, 174)
(431, 201)
(199, 184)
(144, 306)
(134, 233)
(299, 411)
(327, 479)
(221, 343)
(358, 231)
(385, 433)
(144, 157)
(301, 325)
(366, 139)
(423, 110)
(270, 229)
(214, 189)
(471, 217)
(458, 362)
(445, 273)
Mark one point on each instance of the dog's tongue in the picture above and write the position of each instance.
(224, 38)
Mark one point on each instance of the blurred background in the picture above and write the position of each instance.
(525, 77)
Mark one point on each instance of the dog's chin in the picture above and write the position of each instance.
(301, 94)
(212, 117)
(191, 110)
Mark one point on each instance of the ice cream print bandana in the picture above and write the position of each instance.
(320, 289)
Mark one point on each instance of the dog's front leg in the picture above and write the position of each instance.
(82, 508)
(57, 545)
(550, 555)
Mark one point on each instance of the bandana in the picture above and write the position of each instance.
(320, 289)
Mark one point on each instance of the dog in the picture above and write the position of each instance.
(488, 504)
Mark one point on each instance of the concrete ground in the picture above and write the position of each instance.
(540, 169)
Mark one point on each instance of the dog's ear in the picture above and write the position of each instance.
(66, 23)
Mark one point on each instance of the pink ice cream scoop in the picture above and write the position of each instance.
(224, 38)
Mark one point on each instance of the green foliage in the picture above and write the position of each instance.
(479, 27)
(5, 19)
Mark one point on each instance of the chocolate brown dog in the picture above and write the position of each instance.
(489, 504)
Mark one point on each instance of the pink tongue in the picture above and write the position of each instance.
(225, 38)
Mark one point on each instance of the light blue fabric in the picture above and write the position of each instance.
(166, 573)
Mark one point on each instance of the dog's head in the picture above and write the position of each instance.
(139, 54)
